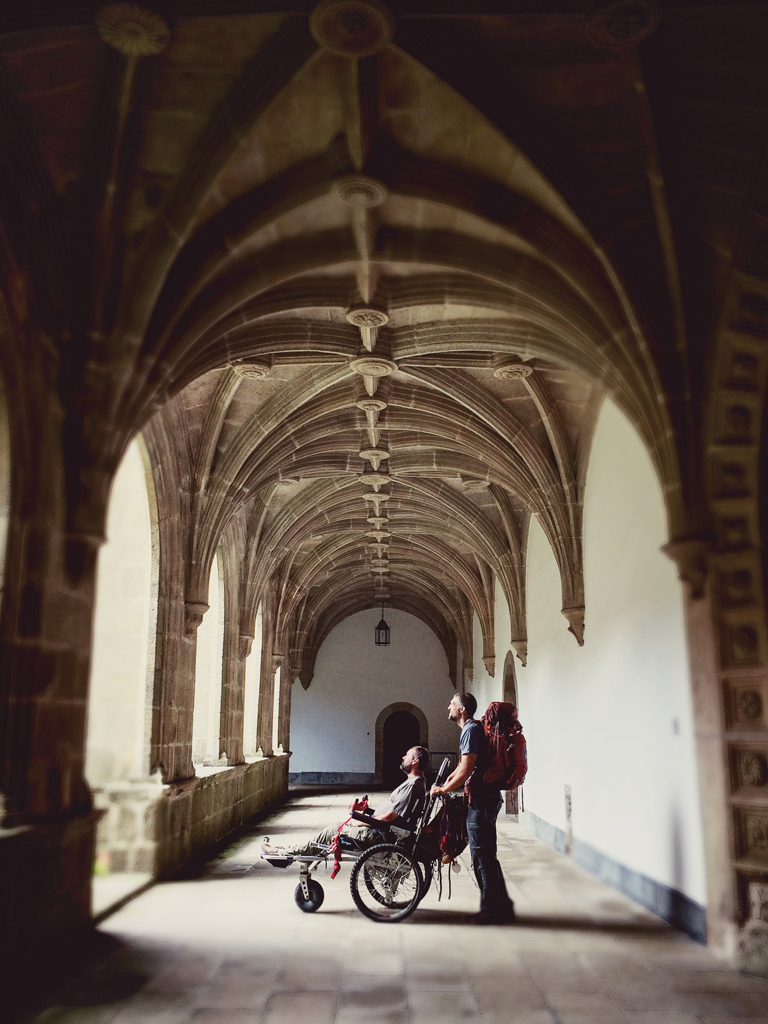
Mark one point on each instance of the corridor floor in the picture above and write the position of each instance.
(231, 947)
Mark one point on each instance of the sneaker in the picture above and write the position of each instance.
(482, 918)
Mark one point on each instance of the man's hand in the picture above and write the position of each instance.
(458, 776)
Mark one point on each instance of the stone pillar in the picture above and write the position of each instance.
(236, 650)
(267, 673)
(47, 828)
(722, 914)
(287, 677)
(174, 689)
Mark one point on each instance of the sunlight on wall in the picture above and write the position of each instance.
(206, 718)
(117, 707)
(251, 705)
(613, 719)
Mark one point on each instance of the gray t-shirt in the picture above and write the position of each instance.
(407, 800)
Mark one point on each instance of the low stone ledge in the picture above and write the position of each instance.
(158, 829)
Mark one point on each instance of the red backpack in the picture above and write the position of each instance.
(507, 755)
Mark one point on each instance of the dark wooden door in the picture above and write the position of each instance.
(401, 732)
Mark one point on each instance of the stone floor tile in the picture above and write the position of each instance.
(146, 1009)
(373, 994)
(596, 1002)
(732, 1020)
(301, 1008)
(591, 1017)
(239, 991)
(513, 1016)
(300, 973)
(350, 1015)
(374, 962)
(208, 1015)
(436, 975)
(77, 1015)
(443, 1007)
(513, 995)
(715, 981)
(634, 995)
(660, 1017)
(724, 1004)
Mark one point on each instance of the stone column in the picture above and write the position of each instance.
(236, 649)
(287, 677)
(47, 823)
(267, 673)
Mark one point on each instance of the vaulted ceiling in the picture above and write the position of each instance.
(363, 275)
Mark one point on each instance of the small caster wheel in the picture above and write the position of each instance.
(316, 897)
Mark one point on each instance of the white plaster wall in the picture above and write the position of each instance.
(117, 697)
(333, 723)
(251, 701)
(613, 719)
(206, 715)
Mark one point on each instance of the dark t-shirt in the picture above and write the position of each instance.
(472, 736)
(472, 741)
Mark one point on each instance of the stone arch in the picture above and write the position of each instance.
(400, 705)
(126, 593)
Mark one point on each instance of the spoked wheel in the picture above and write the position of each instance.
(427, 868)
(316, 897)
(386, 883)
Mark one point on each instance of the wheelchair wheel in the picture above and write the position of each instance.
(316, 897)
(386, 883)
(427, 871)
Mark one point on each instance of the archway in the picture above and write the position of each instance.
(384, 715)
(401, 732)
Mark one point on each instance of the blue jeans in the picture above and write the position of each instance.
(482, 813)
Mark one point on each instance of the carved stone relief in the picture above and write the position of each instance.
(758, 901)
(352, 28)
(737, 586)
(742, 371)
(624, 23)
(753, 768)
(743, 644)
(756, 834)
(748, 705)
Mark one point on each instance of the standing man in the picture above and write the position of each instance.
(484, 804)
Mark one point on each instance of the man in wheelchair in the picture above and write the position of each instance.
(406, 803)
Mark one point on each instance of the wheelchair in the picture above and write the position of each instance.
(390, 878)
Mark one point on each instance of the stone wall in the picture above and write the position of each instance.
(157, 829)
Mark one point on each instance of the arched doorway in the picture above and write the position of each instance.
(401, 732)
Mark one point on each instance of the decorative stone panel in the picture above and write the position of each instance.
(741, 643)
(753, 835)
(744, 704)
(749, 768)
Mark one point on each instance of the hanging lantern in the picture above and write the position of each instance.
(381, 633)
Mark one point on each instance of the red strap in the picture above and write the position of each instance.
(358, 805)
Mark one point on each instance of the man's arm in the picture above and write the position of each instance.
(458, 776)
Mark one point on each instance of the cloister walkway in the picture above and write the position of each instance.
(231, 947)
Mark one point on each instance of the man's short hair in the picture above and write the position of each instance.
(468, 702)
(422, 755)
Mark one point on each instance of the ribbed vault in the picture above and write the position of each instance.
(375, 349)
